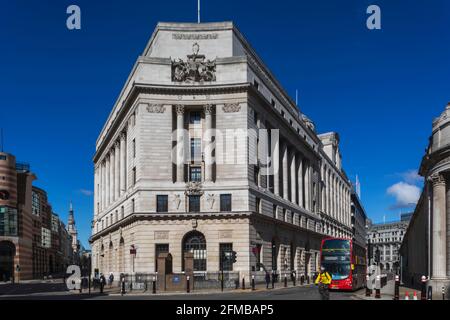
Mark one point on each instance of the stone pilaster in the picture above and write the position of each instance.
(285, 172)
(180, 143)
(123, 163)
(293, 179)
(208, 143)
(438, 233)
(300, 180)
(117, 170)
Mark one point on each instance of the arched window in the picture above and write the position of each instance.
(195, 242)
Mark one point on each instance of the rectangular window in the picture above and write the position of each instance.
(132, 205)
(134, 176)
(134, 148)
(256, 84)
(194, 203)
(35, 203)
(225, 202)
(195, 174)
(122, 212)
(196, 150)
(162, 203)
(274, 212)
(225, 256)
(160, 248)
(194, 117)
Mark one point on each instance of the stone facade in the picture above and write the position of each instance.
(33, 240)
(181, 163)
(359, 220)
(428, 236)
(387, 238)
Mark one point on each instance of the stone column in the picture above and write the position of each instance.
(300, 181)
(208, 143)
(276, 167)
(180, 143)
(307, 186)
(293, 179)
(111, 175)
(102, 194)
(96, 190)
(438, 233)
(285, 172)
(107, 181)
(117, 171)
(123, 163)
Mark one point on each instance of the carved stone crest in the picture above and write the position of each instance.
(194, 188)
(231, 107)
(195, 69)
(156, 108)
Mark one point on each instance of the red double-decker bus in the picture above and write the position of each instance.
(346, 263)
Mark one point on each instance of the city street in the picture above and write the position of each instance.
(43, 291)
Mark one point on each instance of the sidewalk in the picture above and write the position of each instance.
(387, 292)
(258, 287)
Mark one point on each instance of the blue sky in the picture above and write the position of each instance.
(379, 89)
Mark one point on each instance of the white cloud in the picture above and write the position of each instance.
(406, 194)
(87, 193)
(411, 177)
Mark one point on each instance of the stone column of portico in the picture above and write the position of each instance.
(123, 162)
(285, 172)
(180, 143)
(307, 185)
(439, 230)
(117, 171)
(102, 194)
(293, 179)
(107, 175)
(276, 167)
(111, 175)
(300, 181)
(208, 143)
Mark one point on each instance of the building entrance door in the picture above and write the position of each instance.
(7, 253)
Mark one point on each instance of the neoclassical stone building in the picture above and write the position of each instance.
(426, 246)
(205, 152)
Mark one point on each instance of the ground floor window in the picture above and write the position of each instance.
(195, 243)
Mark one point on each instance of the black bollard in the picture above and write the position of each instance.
(273, 281)
(430, 293)
(243, 283)
(423, 292)
(397, 288)
(236, 282)
(253, 282)
(154, 285)
(285, 281)
(302, 279)
(188, 289)
(293, 280)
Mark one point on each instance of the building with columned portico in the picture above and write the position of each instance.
(205, 152)
(425, 250)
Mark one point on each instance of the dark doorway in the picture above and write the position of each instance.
(7, 253)
(195, 242)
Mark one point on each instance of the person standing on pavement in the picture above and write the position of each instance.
(102, 282)
(111, 279)
(267, 280)
(324, 281)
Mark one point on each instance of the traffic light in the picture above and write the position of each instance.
(233, 256)
(377, 256)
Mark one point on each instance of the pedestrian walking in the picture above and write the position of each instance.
(267, 280)
(102, 282)
(324, 281)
